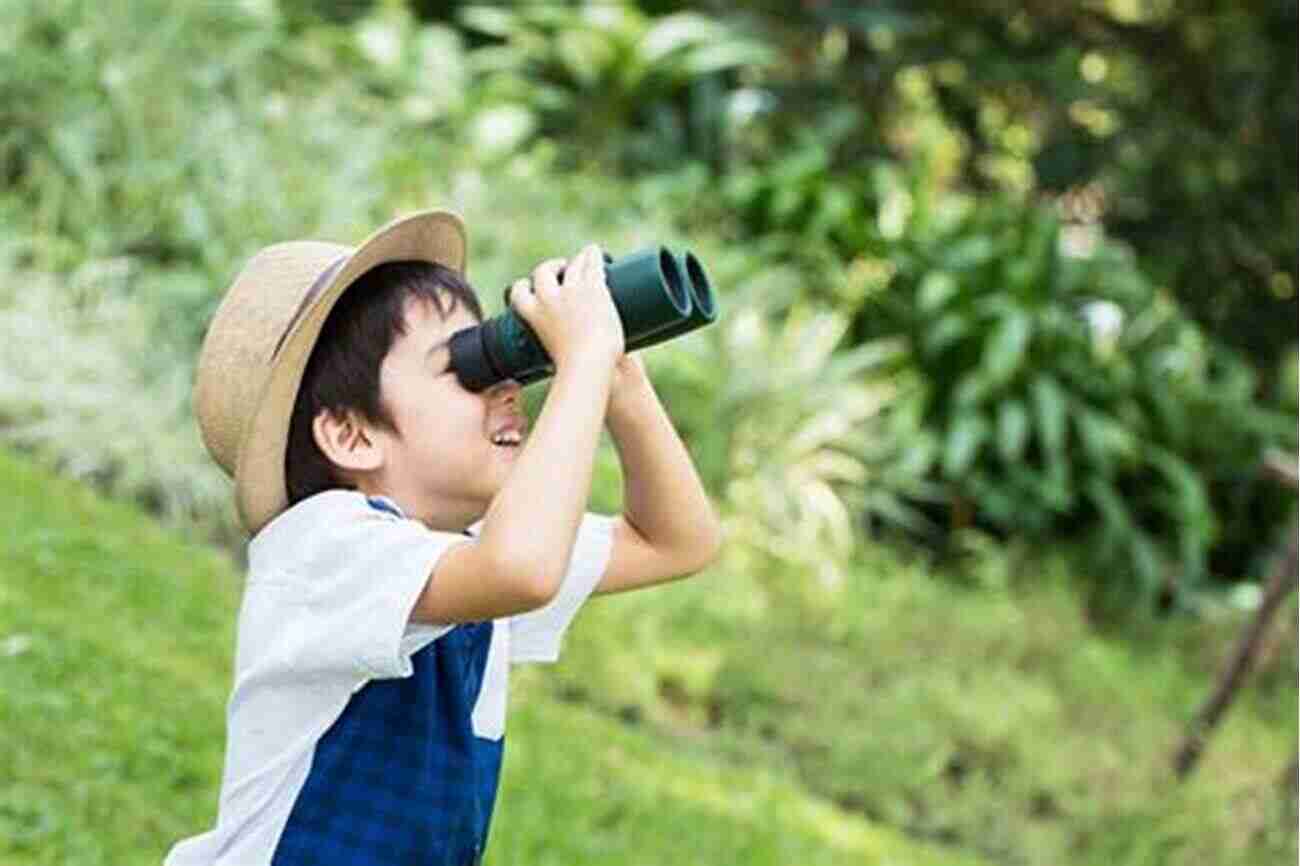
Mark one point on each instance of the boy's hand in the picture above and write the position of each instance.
(576, 319)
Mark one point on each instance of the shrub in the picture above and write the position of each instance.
(1068, 395)
(630, 89)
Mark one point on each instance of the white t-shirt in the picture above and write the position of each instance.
(326, 607)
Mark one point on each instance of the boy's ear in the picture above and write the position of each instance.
(347, 440)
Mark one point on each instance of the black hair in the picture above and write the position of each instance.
(343, 370)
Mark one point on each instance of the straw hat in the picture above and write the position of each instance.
(263, 332)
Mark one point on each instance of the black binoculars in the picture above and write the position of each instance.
(658, 296)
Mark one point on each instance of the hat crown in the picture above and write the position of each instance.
(246, 329)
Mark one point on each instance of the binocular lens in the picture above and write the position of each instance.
(658, 295)
(701, 290)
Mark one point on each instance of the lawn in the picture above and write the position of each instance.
(910, 716)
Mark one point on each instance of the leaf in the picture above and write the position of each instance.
(1055, 486)
(1104, 438)
(1013, 430)
(727, 54)
(586, 55)
(848, 364)
(969, 253)
(788, 201)
(1005, 347)
(502, 127)
(963, 445)
(972, 389)
(945, 332)
(1192, 503)
(834, 208)
(823, 509)
(488, 19)
(1146, 560)
(1114, 514)
(674, 33)
(895, 511)
(1049, 416)
(917, 455)
(937, 287)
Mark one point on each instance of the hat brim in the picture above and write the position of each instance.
(261, 493)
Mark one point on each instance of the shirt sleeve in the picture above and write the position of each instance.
(536, 636)
(362, 573)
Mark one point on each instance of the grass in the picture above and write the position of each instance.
(898, 718)
(994, 720)
(116, 641)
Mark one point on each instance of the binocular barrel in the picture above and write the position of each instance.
(658, 296)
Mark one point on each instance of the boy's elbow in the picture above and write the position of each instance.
(535, 587)
(708, 548)
(539, 592)
(525, 586)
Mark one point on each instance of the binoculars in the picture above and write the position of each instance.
(658, 296)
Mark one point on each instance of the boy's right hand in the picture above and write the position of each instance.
(573, 319)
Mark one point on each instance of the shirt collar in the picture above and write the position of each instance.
(383, 503)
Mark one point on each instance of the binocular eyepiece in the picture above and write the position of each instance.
(658, 296)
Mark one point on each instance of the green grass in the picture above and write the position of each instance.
(116, 641)
(728, 718)
(995, 720)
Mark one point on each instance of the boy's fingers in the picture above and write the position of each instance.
(587, 259)
(546, 276)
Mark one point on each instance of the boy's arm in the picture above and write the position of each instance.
(669, 528)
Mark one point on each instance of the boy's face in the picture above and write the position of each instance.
(442, 467)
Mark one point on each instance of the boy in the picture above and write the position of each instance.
(412, 538)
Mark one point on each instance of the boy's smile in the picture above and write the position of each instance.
(454, 448)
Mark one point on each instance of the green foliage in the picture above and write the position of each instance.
(1066, 393)
(813, 454)
(627, 89)
(74, 387)
(1142, 447)
(79, 390)
(1172, 123)
(1088, 110)
(798, 202)
(1061, 393)
(142, 162)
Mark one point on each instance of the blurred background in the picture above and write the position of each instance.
(1000, 412)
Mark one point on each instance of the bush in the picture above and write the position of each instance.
(810, 447)
(629, 89)
(1065, 394)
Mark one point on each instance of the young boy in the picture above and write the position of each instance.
(412, 538)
